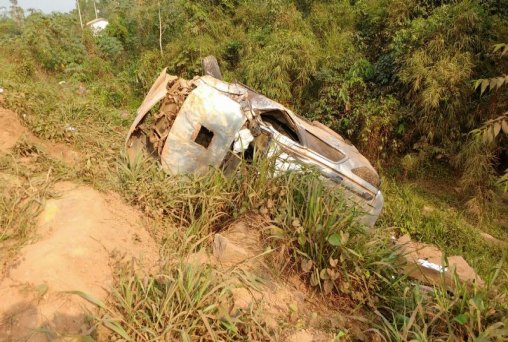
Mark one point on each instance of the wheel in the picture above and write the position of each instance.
(211, 67)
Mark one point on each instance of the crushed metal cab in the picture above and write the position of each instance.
(200, 122)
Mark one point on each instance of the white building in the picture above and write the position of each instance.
(97, 25)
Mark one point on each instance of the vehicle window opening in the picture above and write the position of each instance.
(204, 137)
(281, 123)
(323, 148)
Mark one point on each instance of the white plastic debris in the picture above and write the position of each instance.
(242, 140)
(61, 82)
(70, 129)
(432, 266)
(1, 90)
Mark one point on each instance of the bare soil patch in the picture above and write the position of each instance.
(12, 131)
(83, 236)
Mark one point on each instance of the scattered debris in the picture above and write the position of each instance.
(1, 90)
(70, 129)
(242, 140)
(208, 122)
(61, 82)
(428, 264)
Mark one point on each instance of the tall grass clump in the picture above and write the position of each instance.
(463, 314)
(322, 238)
(188, 303)
(315, 230)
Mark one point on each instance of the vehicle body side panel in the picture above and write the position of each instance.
(204, 107)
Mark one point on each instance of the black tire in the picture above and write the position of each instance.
(211, 67)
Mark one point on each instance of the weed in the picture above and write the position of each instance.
(313, 225)
(188, 303)
(437, 223)
(22, 195)
(477, 314)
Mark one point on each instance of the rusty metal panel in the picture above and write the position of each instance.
(155, 94)
(217, 113)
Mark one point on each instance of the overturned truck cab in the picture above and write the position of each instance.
(204, 121)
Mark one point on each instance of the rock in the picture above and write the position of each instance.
(494, 240)
(238, 243)
(242, 299)
(301, 336)
(427, 210)
(226, 252)
(426, 263)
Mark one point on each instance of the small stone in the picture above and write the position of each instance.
(242, 299)
(490, 238)
(427, 210)
(226, 252)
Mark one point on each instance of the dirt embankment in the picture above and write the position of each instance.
(12, 132)
(81, 238)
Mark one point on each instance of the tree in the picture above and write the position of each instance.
(17, 13)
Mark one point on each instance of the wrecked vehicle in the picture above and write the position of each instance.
(208, 122)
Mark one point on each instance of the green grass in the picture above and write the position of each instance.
(477, 314)
(412, 209)
(187, 303)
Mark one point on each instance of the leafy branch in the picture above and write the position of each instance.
(490, 83)
(491, 128)
(496, 82)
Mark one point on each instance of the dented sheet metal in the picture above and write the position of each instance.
(155, 94)
(208, 122)
(205, 109)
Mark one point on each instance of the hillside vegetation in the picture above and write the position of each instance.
(418, 86)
